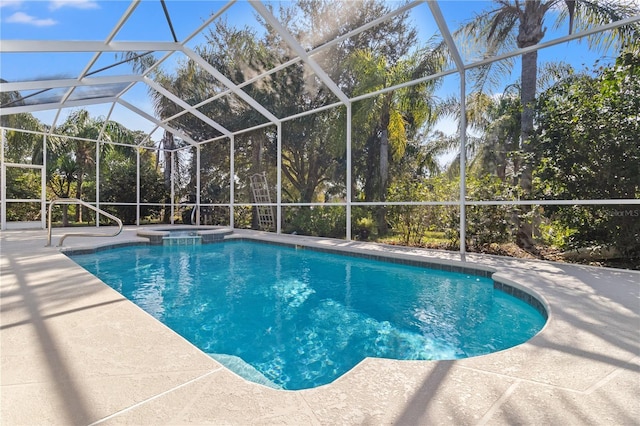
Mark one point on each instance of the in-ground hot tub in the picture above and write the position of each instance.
(184, 235)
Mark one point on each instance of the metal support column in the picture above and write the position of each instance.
(43, 184)
(172, 161)
(463, 164)
(232, 182)
(349, 177)
(98, 183)
(3, 177)
(138, 186)
(198, 184)
(457, 59)
(279, 179)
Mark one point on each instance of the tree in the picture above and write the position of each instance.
(22, 148)
(118, 184)
(80, 124)
(62, 176)
(412, 222)
(312, 146)
(80, 146)
(521, 23)
(238, 54)
(386, 123)
(495, 122)
(588, 149)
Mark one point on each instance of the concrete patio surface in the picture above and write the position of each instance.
(74, 351)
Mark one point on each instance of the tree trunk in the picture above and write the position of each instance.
(79, 197)
(168, 146)
(65, 215)
(530, 33)
(66, 192)
(524, 236)
(256, 167)
(384, 179)
(167, 143)
(384, 163)
(370, 172)
(501, 166)
(308, 193)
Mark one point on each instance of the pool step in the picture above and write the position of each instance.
(243, 369)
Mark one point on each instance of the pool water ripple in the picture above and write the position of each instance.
(298, 319)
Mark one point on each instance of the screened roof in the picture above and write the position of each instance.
(60, 55)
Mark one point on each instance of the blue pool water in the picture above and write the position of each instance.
(297, 319)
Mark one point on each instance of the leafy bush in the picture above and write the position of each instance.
(412, 222)
(322, 221)
(588, 148)
(363, 228)
(485, 225)
(118, 185)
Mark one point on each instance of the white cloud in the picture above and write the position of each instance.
(23, 18)
(78, 4)
(10, 3)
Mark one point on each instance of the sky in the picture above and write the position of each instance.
(94, 20)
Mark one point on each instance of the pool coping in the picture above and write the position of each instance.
(583, 367)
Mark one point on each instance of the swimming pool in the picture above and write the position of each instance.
(295, 319)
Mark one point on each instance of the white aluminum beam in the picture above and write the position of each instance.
(55, 105)
(137, 187)
(279, 181)
(457, 59)
(293, 43)
(198, 169)
(132, 6)
(97, 163)
(68, 82)
(123, 20)
(554, 42)
(316, 50)
(208, 21)
(157, 122)
(48, 46)
(230, 85)
(232, 182)
(349, 176)
(186, 106)
(405, 84)
(366, 26)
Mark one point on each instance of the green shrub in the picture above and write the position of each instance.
(317, 221)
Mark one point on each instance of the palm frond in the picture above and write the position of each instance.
(487, 35)
(591, 13)
(552, 72)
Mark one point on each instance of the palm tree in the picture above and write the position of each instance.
(80, 124)
(495, 123)
(388, 121)
(62, 172)
(85, 130)
(521, 23)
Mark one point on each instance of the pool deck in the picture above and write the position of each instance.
(74, 351)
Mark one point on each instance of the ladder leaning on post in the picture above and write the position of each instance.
(261, 196)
